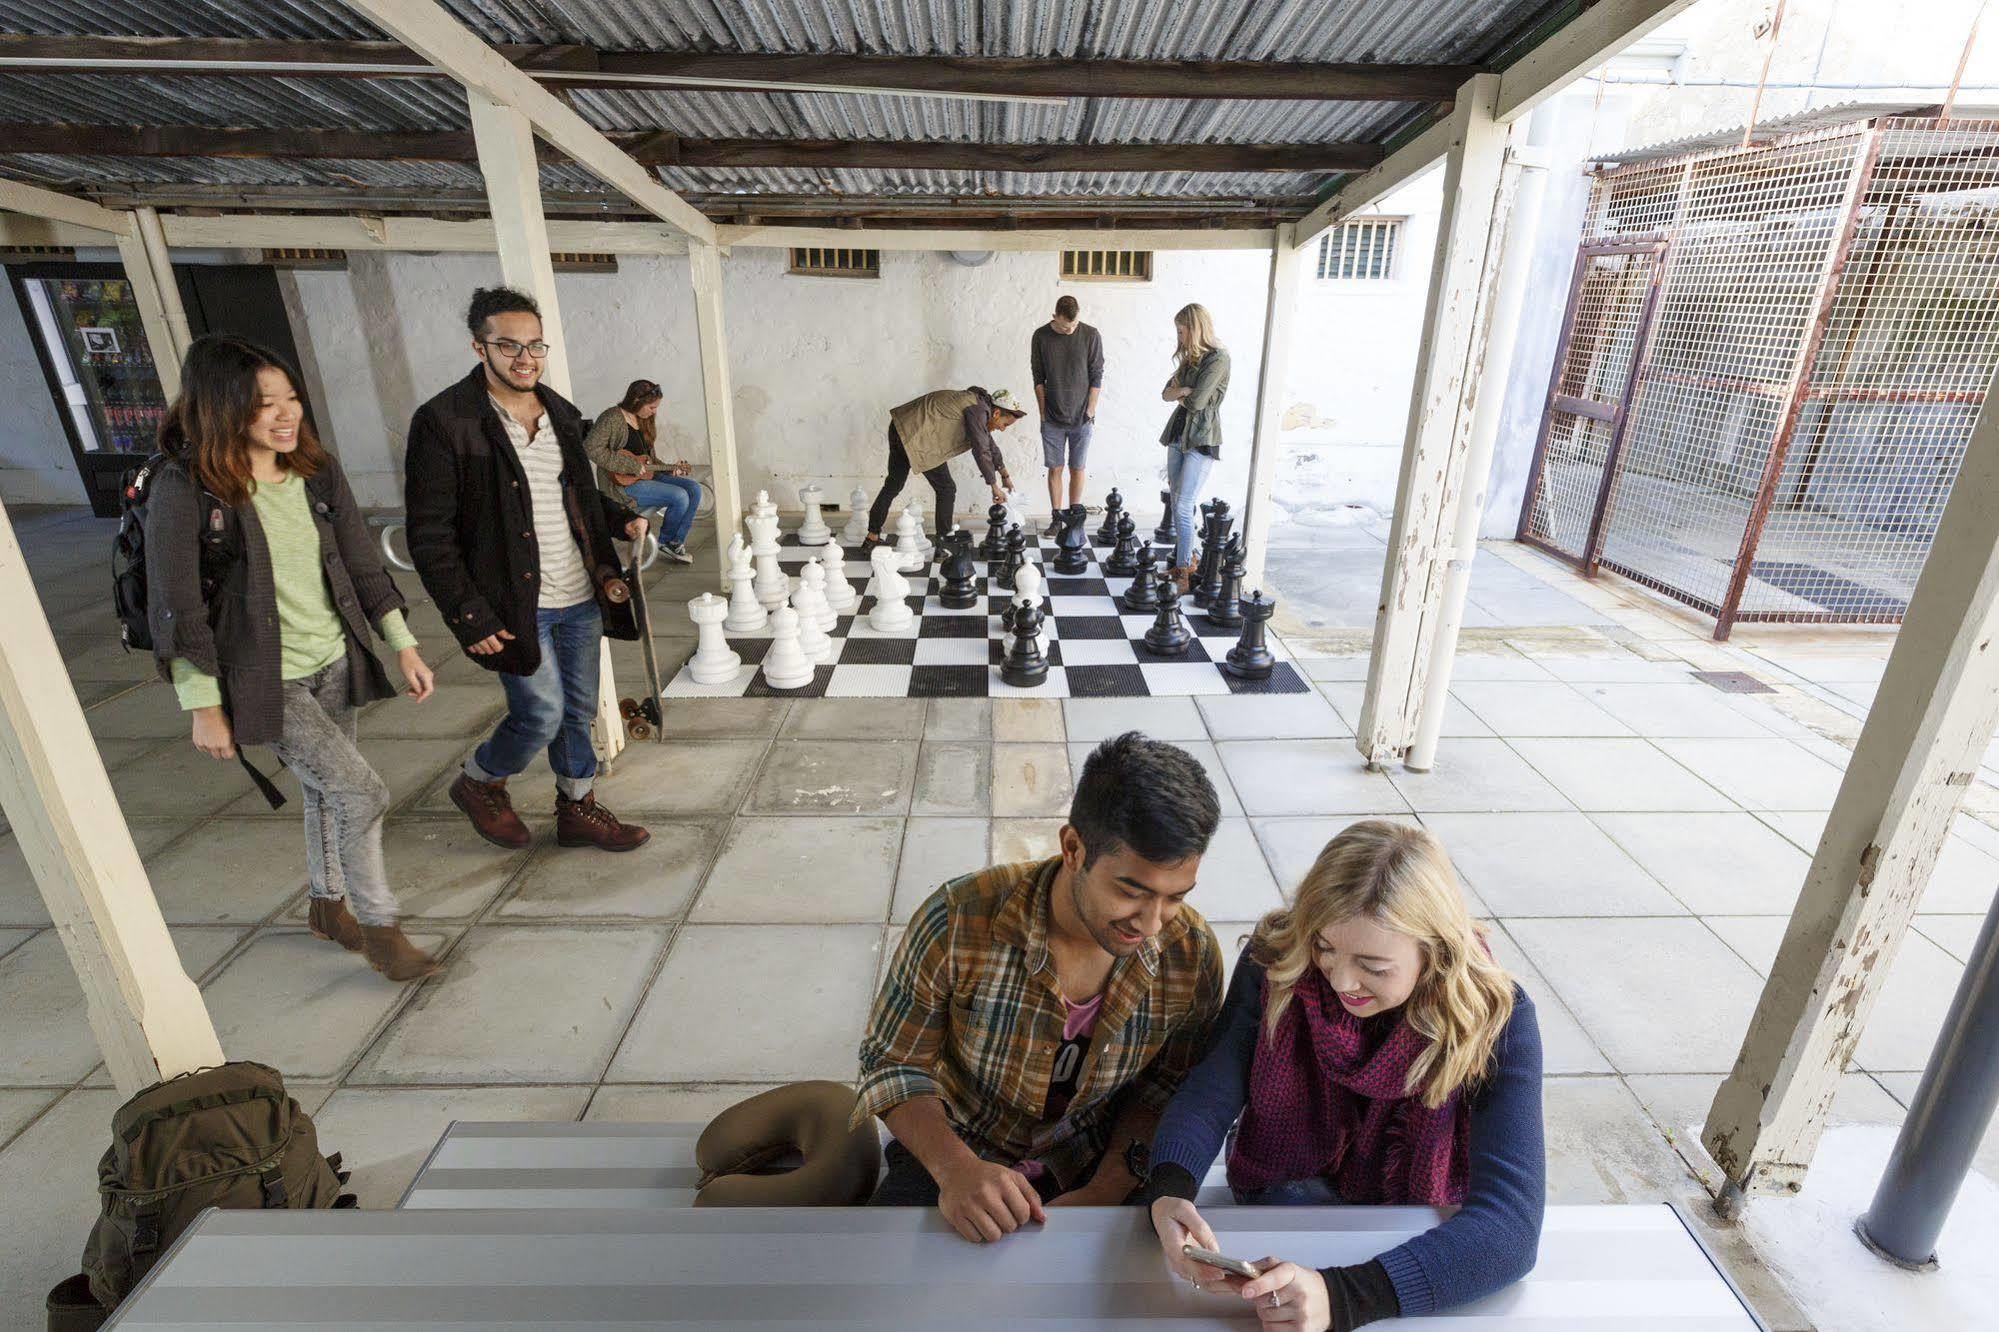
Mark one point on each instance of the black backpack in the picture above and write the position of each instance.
(129, 599)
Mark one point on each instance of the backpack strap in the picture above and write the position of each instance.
(265, 786)
(274, 1188)
(146, 1230)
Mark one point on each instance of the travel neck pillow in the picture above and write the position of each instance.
(742, 1151)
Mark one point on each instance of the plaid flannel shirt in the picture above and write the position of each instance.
(970, 1013)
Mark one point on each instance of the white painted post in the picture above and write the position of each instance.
(142, 248)
(1279, 318)
(1440, 420)
(148, 1017)
(704, 265)
(505, 142)
(1918, 751)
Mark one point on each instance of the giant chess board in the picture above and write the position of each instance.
(1095, 648)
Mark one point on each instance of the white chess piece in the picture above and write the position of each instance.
(714, 662)
(772, 587)
(891, 614)
(786, 666)
(840, 593)
(810, 602)
(746, 613)
(813, 531)
(856, 530)
(1027, 592)
(812, 640)
(923, 543)
(761, 505)
(908, 542)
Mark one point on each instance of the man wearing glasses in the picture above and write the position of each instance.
(513, 542)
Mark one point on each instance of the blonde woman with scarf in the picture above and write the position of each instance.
(1375, 1053)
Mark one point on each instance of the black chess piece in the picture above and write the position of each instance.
(1123, 561)
(1250, 658)
(1142, 596)
(1225, 607)
(994, 545)
(1024, 666)
(959, 587)
(1169, 634)
(1113, 510)
(1165, 534)
(1214, 542)
(1072, 546)
(1013, 554)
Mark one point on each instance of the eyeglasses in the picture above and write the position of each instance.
(512, 350)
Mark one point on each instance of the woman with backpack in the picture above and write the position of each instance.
(262, 588)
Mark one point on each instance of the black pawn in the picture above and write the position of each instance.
(1024, 666)
(1214, 544)
(1225, 609)
(1123, 561)
(960, 586)
(1072, 553)
(1250, 658)
(1169, 634)
(1141, 596)
(995, 543)
(1165, 534)
(1113, 510)
(1012, 556)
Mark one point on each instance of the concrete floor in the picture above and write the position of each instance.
(1635, 837)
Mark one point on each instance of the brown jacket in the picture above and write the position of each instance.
(937, 427)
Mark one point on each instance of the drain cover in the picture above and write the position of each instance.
(1733, 682)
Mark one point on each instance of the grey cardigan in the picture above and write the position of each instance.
(235, 637)
(609, 436)
(1196, 422)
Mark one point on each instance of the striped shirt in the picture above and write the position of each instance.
(563, 580)
(970, 1012)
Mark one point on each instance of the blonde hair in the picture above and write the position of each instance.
(1201, 339)
(1399, 877)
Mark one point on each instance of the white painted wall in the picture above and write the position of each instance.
(36, 466)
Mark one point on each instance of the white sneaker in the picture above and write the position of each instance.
(676, 552)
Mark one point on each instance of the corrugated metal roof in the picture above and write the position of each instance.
(245, 101)
(1798, 122)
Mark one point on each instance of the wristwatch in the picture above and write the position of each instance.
(1138, 1159)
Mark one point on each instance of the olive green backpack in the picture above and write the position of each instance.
(219, 1137)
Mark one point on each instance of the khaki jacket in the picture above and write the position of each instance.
(937, 427)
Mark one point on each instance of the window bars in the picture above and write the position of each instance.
(1361, 250)
(1769, 367)
(818, 262)
(1107, 265)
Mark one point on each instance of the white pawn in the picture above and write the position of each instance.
(714, 662)
(922, 538)
(812, 640)
(810, 603)
(908, 542)
(891, 614)
(839, 592)
(1027, 592)
(746, 613)
(786, 666)
(856, 530)
(813, 531)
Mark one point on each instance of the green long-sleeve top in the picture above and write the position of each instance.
(310, 634)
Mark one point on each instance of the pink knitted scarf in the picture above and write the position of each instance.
(1326, 1098)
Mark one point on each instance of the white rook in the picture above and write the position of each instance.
(714, 661)
(813, 531)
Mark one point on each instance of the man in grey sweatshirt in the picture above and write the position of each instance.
(1068, 361)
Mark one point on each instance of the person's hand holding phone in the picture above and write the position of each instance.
(1179, 1224)
(985, 1201)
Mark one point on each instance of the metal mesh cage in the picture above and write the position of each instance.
(1773, 437)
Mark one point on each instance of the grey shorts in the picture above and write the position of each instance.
(1064, 446)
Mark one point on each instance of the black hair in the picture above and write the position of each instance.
(490, 301)
(1145, 795)
(1066, 308)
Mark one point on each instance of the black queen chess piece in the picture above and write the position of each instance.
(1123, 561)
(1024, 666)
(1141, 596)
(994, 546)
(1250, 658)
(1214, 543)
(1113, 510)
(1225, 609)
(959, 586)
(1169, 634)
(1165, 534)
(1072, 544)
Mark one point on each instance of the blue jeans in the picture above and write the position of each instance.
(1291, 1193)
(551, 709)
(1186, 473)
(679, 496)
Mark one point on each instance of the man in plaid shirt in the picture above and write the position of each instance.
(1036, 1018)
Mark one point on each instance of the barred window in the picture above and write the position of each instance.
(575, 261)
(1361, 251)
(1107, 265)
(836, 263)
(328, 260)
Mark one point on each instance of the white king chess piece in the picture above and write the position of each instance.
(891, 614)
(908, 542)
(856, 530)
(840, 594)
(714, 662)
(746, 613)
(786, 666)
(813, 531)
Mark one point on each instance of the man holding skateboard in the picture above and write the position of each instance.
(514, 543)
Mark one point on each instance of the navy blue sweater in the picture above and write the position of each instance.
(1492, 1240)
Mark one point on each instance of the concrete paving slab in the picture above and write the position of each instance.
(953, 778)
(21, 900)
(384, 1135)
(1028, 720)
(10, 939)
(1902, 1086)
(1962, 881)
(48, 1178)
(958, 719)
(713, 718)
(150, 712)
(1346, 697)
(229, 872)
(1517, 708)
(1679, 1102)
(461, 713)
(1289, 777)
(1271, 717)
(408, 766)
(935, 851)
(670, 1103)
(1473, 776)
(703, 1019)
(181, 782)
(1025, 839)
(654, 882)
(1290, 845)
(442, 870)
(1601, 664)
(855, 719)
(1565, 1047)
(1768, 774)
(1093, 719)
(1954, 934)
(19, 1107)
(1720, 863)
(1621, 775)
(520, 1004)
(1235, 881)
(1031, 781)
(1603, 1148)
(1680, 708)
(1548, 864)
(835, 777)
(795, 870)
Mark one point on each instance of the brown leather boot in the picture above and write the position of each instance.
(390, 952)
(586, 823)
(491, 812)
(330, 919)
(1182, 576)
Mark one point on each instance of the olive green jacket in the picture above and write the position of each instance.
(1196, 423)
(937, 427)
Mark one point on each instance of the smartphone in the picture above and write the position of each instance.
(1220, 1262)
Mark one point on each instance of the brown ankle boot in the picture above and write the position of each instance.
(390, 952)
(1182, 577)
(330, 919)
(586, 823)
(491, 812)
